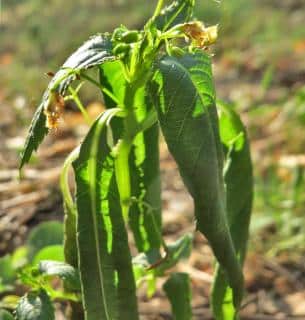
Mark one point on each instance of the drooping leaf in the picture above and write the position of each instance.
(183, 93)
(179, 11)
(93, 52)
(145, 211)
(37, 132)
(63, 270)
(104, 258)
(45, 234)
(54, 252)
(35, 306)
(178, 291)
(239, 186)
(5, 315)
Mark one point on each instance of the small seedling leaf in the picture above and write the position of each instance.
(54, 252)
(64, 271)
(45, 234)
(35, 306)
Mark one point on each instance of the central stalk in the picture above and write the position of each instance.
(123, 149)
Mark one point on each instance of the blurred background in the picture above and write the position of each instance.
(259, 67)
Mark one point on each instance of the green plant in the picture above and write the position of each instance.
(157, 77)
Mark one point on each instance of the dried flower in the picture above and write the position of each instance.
(54, 109)
(200, 35)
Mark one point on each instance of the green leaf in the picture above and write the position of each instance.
(239, 186)
(107, 280)
(63, 270)
(54, 252)
(180, 249)
(35, 306)
(5, 315)
(179, 11)
(9, 302)
(93, 52)
(145, 210)
(7, 271)
(44, 235)
(183, 93)
(149, 265)
(37, 132)
(178, 291)
(19, 257)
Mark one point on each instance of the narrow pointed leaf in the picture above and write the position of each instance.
(145, 212)
(239, 186)
(179, 11)
(183, 93)
(93, 52)
(35, 306)
(178, 291)
(101, 234)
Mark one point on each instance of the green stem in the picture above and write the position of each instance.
(79, 104)
(158, 8)
(123, 175)
(64, 183)
(104, 90)
(122, 150)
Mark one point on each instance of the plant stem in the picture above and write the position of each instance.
(122, 150)
(158, 8)
(79, 104)
(104, 90)
(123, 175)
(64, 184)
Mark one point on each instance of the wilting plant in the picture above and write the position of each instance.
(159, 77)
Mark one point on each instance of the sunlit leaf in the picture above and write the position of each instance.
(108, 288)
(145, 210)
(54, 252)
(93, 52)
